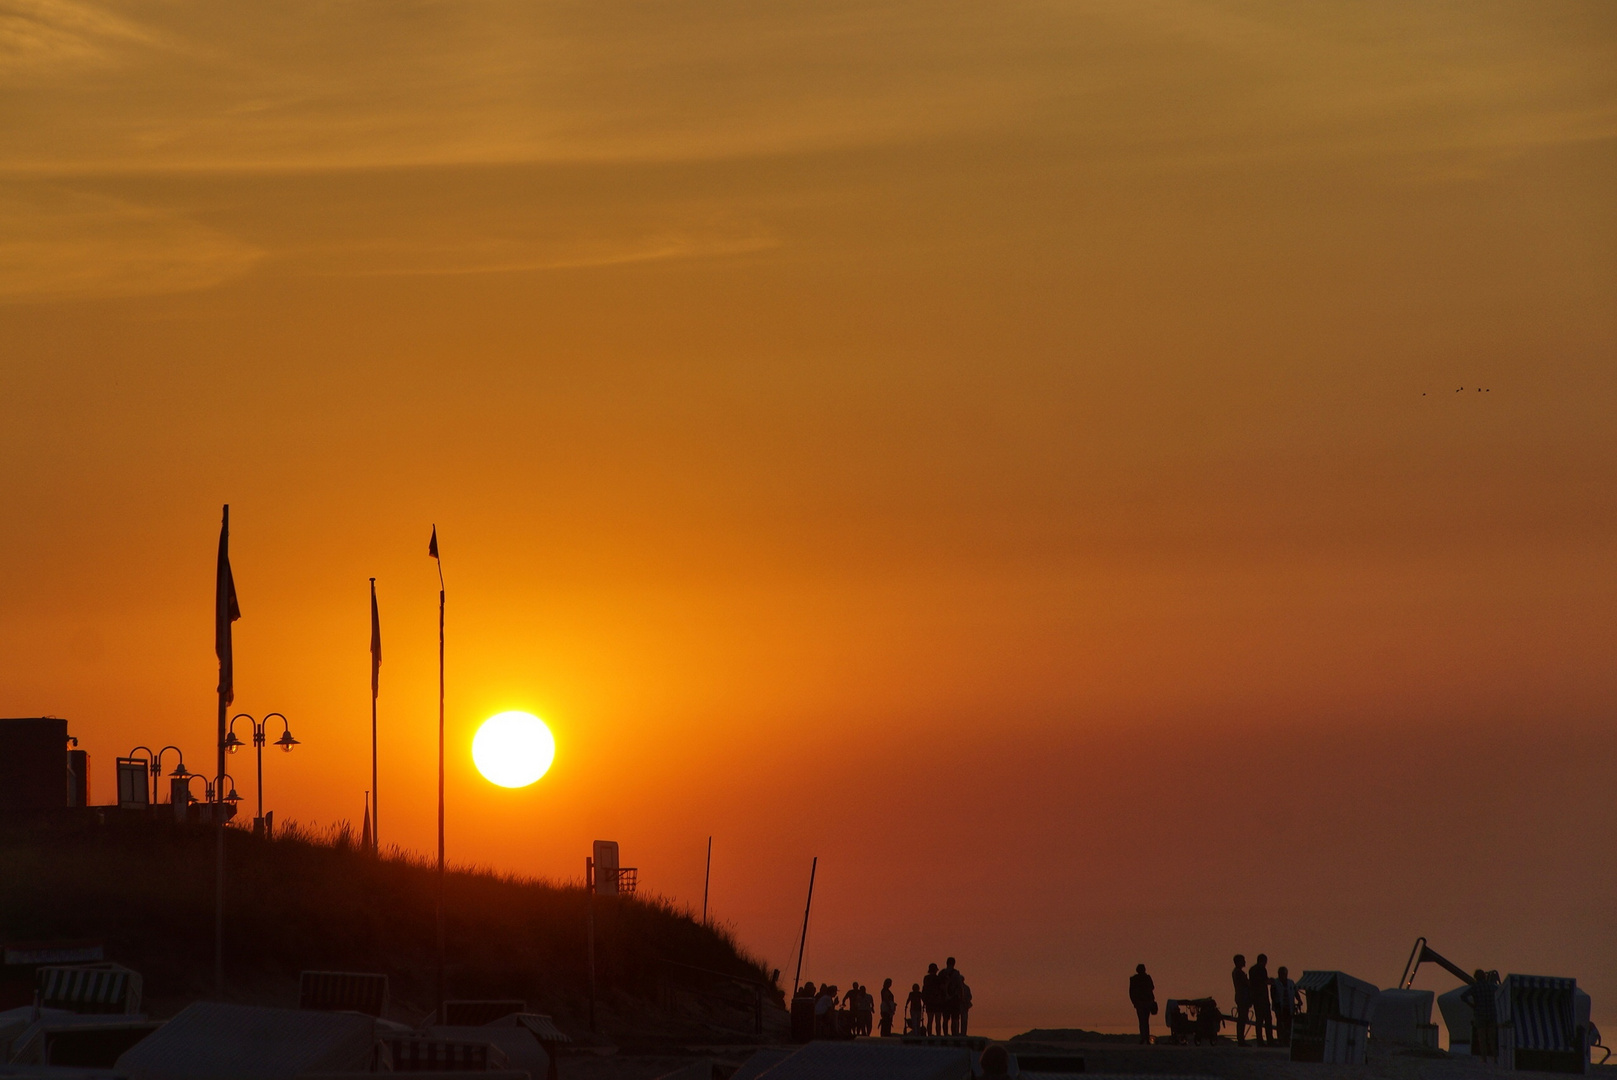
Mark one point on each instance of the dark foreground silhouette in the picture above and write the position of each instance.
(300, 901)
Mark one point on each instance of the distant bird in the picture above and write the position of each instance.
(1461, 388)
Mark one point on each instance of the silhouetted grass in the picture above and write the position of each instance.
(308, 900)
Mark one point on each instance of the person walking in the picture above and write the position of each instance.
(1143, 996)
(1243, 998)
(1283, 993)
(1257, 977)
(889, 1008)
(915, 1011)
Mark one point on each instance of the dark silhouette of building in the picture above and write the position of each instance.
(34, 765)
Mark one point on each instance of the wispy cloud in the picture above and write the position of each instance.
(98, 91)
(495, 257)
(303, 84)
(58, 243)
(45, 38)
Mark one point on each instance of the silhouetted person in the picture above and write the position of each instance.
(1484, 1014)
(865, 1010)
(1143, 996)
(825, 1005)
(932, 996)
(1243, 998)
(1257, 977)
(1283, 993)
(914, 1011)
(950, 981)
(965, 1007)
(889, 1008)
(996, 1061)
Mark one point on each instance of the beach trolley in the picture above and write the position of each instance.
(1538, 1025)
(1193, 1020)
(1336, 1023)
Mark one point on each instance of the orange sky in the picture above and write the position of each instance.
(1010, 451)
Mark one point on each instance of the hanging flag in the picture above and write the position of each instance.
(432, 545)
(365, 837)
(376, 643)
(226, 611)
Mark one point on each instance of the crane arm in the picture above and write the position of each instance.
(1423, 953)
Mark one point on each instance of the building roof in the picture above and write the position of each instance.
(767, 1058)
(214, 1041)
(871, 1061)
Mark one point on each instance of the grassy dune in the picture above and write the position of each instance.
(146, 889)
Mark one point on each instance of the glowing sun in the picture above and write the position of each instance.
(513, 749)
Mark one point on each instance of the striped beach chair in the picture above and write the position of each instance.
(1538, 1028)
(90, 988)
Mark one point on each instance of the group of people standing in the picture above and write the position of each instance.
(940, 1004)
(1267, 1004)
(1272, 1002)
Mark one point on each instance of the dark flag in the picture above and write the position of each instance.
(226, 611)
(432, 545)
(376, 643)
(365, 835)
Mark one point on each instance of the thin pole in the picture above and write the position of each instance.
(376, 802)
(219, 865)
(225, 612)
(258, 750)
(440, 796)
(589, 886)
(706, 879)
(798, 976)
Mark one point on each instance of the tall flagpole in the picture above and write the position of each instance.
(376, 670)
(225, 611)
(432, 549)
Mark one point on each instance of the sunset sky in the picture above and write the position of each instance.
(1117, 482)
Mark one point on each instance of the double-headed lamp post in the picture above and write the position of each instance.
(154, 764)
(157, 770)
(286, 742)
(211, 792)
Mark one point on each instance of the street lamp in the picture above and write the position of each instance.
(286, 742)
(141, 754)
(184, 807)
(157, 770)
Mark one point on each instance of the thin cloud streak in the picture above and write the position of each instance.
(58, 243)
(305, 86)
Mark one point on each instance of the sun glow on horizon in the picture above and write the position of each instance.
(513, 749)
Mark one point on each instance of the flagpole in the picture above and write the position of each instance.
(432, 549)
(219, 862)
(225, 612)
(376, 798)
(440, 798)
